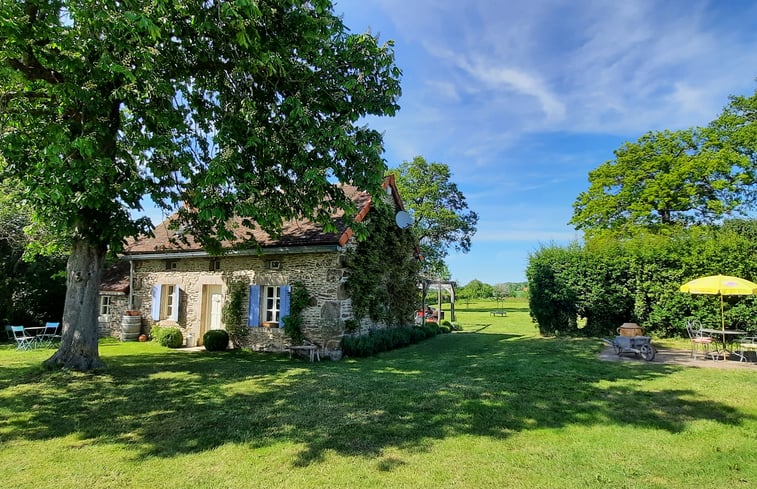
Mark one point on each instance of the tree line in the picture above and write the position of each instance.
(670, 207)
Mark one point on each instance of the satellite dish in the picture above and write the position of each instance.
(403, 220)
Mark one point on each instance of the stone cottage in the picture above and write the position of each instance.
(179, 284)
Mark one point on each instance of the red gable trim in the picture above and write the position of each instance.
(389, 182)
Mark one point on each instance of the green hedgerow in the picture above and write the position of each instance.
(386, 339)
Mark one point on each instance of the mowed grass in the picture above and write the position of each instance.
(492, 406)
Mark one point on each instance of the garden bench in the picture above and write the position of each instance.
(498, 312)
(312, 351)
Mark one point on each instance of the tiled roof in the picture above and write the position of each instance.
(116, 278)
(300, 232)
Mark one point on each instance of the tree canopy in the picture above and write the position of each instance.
(246, 108)
(664, 211)
(441, 218)
(31, 286)
(676, 178)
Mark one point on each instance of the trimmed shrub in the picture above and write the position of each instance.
(170, 337)
(216, 340)
(446, 327)
(156, 332)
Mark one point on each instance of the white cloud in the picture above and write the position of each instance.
(499, 78)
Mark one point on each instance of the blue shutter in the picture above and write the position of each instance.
(253, 316)
(155, 309)
(175, 311)
(283, 303)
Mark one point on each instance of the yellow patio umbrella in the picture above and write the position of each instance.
(720, 285)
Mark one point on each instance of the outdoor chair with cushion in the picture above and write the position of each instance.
(23, 340)
(699, 341)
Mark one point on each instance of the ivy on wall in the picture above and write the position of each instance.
(232, 314)
(299, 299)
(384, 273)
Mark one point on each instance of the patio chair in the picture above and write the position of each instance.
(699, 341)
(23, 340)
(746, 344)
(8, 332)
(50, 334)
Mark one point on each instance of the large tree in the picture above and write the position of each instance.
(676, 178)
(246, 108)
(441, 218)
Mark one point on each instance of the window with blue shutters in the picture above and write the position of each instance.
(268, 304)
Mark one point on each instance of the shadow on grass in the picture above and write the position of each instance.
(169, 403)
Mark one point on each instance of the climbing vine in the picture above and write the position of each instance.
(232, 314)
(384, 271)
(299, 299)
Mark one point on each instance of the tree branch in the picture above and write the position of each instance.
(32, 69)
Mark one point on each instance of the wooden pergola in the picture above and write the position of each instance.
(440, 285)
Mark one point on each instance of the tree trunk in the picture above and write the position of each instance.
(78, 347)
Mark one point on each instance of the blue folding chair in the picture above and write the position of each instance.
(23, 340)
(50, 334)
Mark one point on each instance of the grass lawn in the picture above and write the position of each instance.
(492, 406)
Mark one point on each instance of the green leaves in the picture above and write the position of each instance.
(384, 279)
(611, 280)
(442, 219)
(675, 178)
(216, 104)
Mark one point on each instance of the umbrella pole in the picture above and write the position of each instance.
(722, 325)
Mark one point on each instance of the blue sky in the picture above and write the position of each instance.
(523, 98)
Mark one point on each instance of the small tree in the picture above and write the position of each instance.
(441, 217)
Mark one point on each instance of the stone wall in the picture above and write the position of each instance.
(322, 273)
(110, 325)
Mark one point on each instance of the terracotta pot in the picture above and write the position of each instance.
(630, 329)
(143, 337)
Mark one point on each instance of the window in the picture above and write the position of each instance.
(272, 304)
(268, 303)
(105, 304)
(165, 302)
(171, 265)
(167, 305)
(215, 265)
